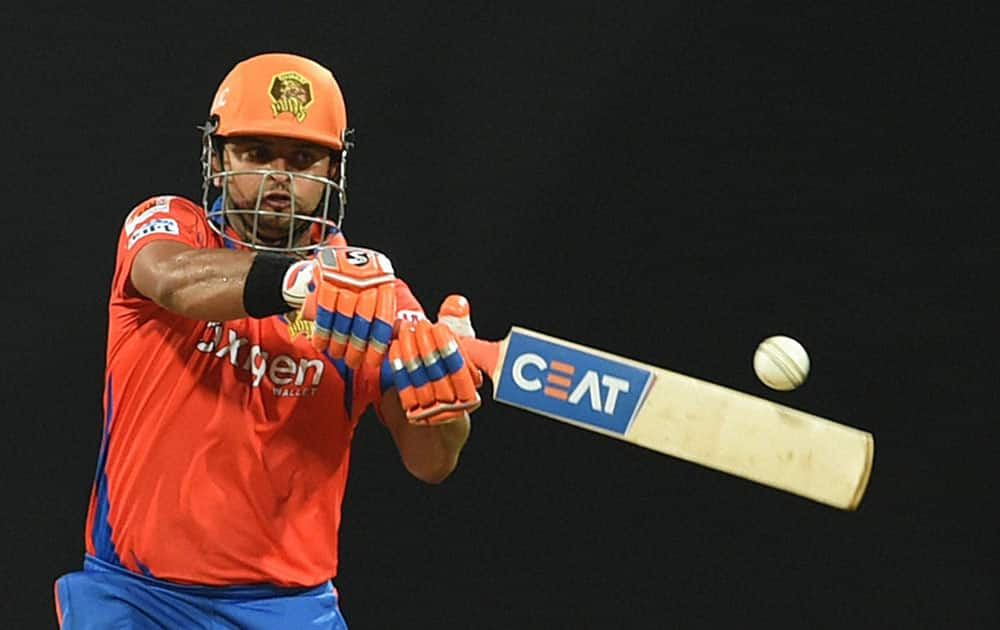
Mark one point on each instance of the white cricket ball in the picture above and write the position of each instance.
(781, 363)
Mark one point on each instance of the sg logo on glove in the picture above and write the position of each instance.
(352, 300)
(354, 266)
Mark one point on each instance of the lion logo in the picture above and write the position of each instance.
(290, 92)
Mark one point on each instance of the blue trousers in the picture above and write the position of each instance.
(109, 597)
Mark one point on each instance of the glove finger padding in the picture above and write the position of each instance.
(352, 305)
(343, 317)
(431, 376)
(431, 356)
(381, 329)
(415, 372)
(326, 305)
(455, 313)
(364, 313)
(465, 377)
(407, 394)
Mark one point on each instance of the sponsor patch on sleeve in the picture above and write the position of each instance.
(145, 211)
(160, 225)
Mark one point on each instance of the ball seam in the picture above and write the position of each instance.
(785, 363)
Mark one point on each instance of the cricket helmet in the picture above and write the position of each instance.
(285, 95)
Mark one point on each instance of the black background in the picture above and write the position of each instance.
(671, 181)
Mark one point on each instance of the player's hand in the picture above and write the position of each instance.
(352, 301)
(435, 382)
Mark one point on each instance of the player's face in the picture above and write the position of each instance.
(279, 190)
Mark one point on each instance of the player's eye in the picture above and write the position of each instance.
(304, 159)
(259, 154)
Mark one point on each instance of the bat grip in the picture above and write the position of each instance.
(484, 354)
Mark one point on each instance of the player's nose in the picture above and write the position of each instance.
(280, 167)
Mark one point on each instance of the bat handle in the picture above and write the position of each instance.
(483, 354)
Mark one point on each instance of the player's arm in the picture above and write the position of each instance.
(428, 410)
(198, 283)
(348, 291)
(430, 453)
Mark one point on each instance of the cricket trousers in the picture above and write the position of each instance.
(107, 597)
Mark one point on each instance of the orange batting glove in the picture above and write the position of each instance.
(435, 382)
(352, 301)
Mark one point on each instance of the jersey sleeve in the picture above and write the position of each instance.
(163, 218)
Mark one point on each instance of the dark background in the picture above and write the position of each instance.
(671, 181)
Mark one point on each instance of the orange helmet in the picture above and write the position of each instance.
(279, 94)
(284, 95)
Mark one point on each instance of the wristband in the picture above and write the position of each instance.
(262, 296)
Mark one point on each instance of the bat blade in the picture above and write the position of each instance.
(681, 416)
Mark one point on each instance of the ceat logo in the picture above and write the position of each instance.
(569, 382)
(600, 391)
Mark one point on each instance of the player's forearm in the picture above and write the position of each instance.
(205, 284)
(431, 452)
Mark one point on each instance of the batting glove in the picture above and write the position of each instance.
(351, 298)
(435, 382)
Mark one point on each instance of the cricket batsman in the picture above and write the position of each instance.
(245, 340)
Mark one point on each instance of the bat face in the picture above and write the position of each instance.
(678, 415)
(571, 383)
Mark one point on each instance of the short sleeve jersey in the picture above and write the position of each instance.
(226, 444)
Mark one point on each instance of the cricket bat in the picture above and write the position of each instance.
(691, 419)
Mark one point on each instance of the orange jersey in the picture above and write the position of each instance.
(226, 444)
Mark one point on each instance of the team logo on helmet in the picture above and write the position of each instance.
(290, 92)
